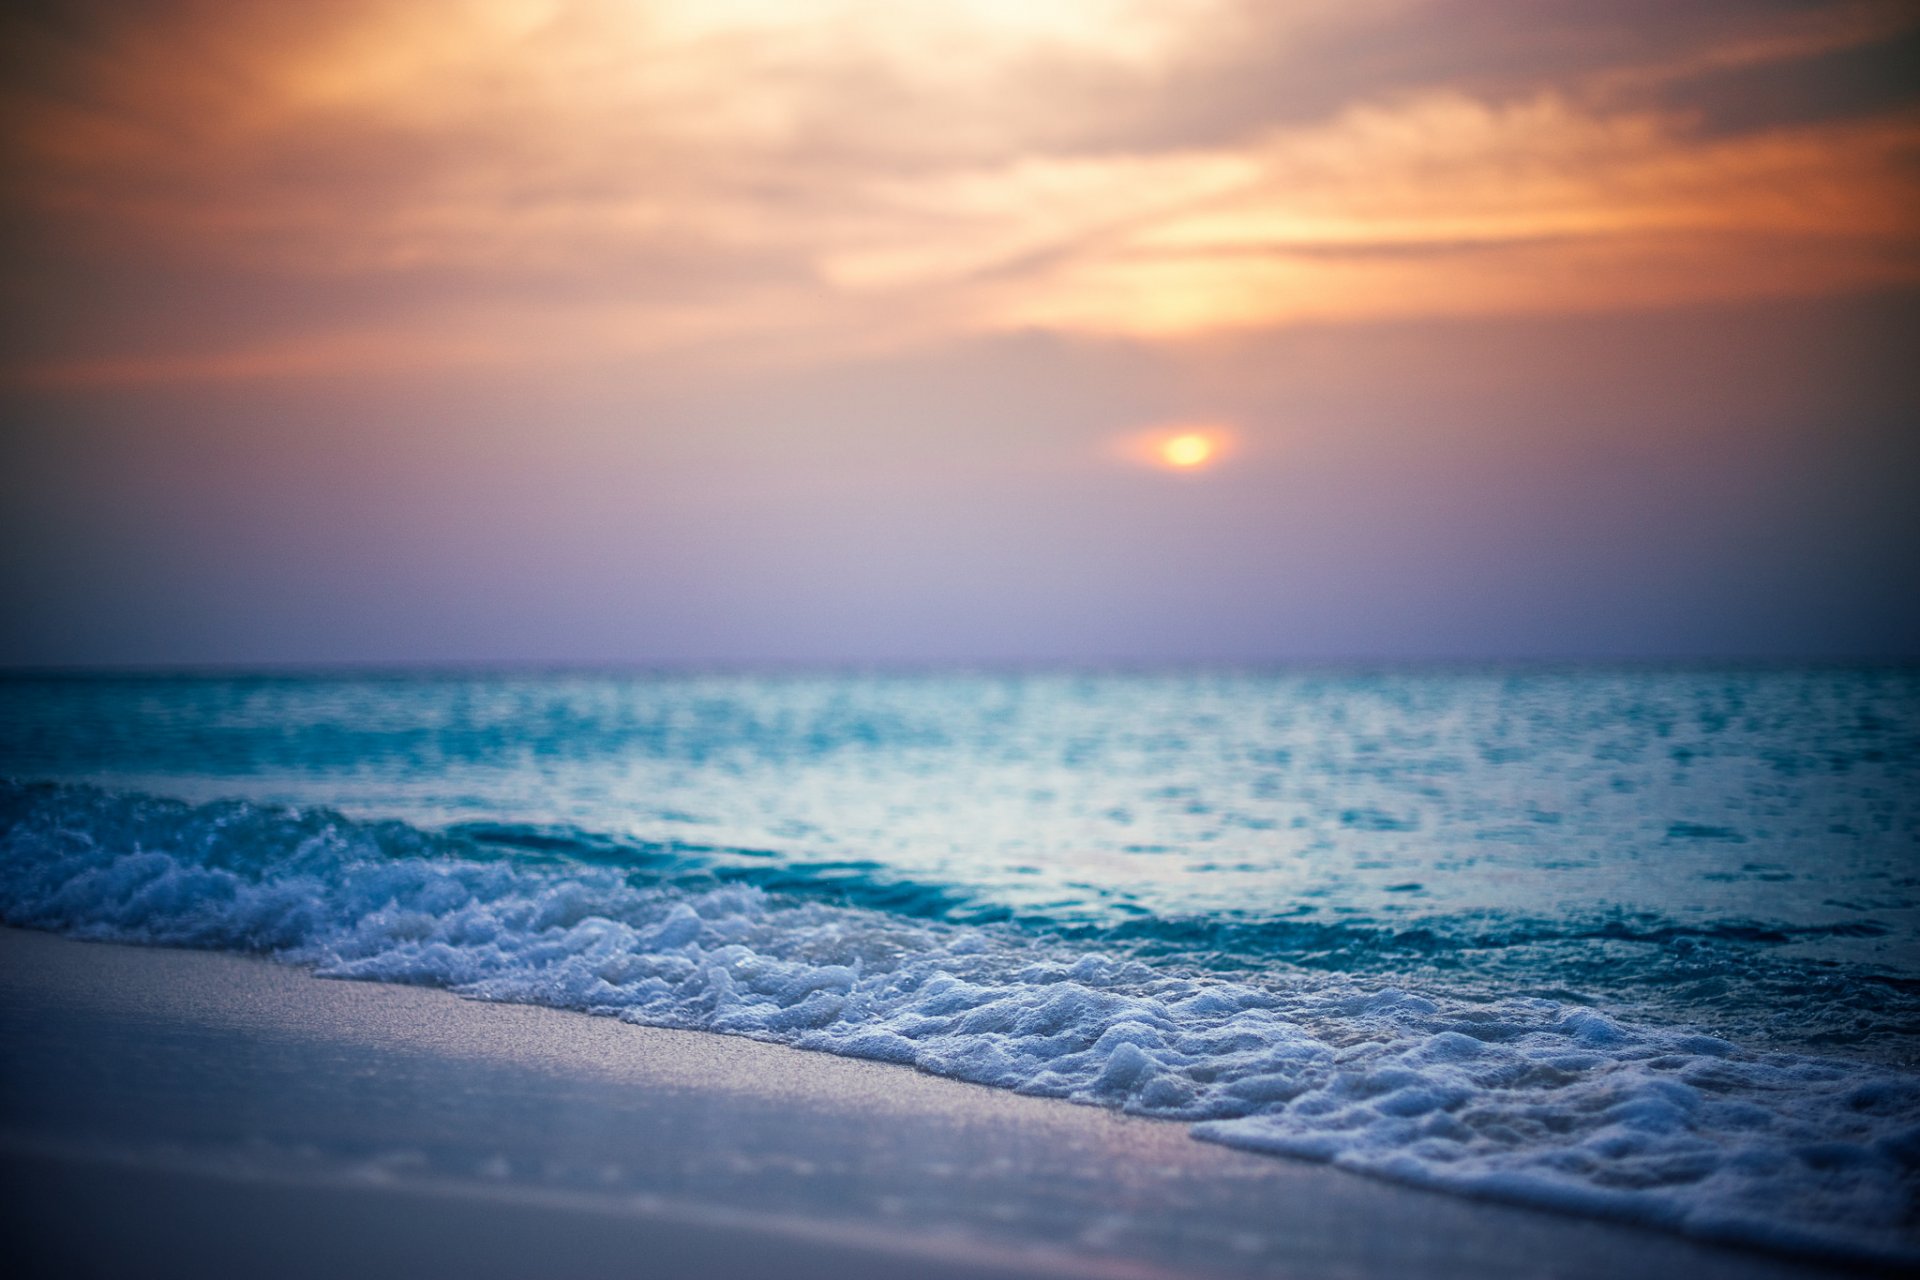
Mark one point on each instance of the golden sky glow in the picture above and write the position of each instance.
(534, 181)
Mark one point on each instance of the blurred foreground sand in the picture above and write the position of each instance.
(184, 1113)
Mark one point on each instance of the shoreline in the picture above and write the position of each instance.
(286, 1119)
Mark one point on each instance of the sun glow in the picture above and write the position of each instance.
(1178, 446)
(1187, 451)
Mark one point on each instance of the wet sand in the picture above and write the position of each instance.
(183, 1113)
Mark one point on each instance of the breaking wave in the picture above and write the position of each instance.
(1519, 1097)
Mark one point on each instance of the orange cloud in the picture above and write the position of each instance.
(1449, 207)
(542, 181)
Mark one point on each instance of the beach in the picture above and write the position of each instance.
(174, 1112)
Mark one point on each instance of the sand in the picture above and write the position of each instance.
(187, 1113)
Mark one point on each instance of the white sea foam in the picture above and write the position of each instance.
(1525, 1099)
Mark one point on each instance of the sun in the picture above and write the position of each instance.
(1184, 445)
(1187, 450)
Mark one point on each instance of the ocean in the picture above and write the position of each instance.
(1635, 942)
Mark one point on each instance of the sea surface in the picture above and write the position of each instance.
(1642, 943)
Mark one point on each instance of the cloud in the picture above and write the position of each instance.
(1445, 205)
(547, 182)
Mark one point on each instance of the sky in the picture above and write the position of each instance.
(722, 333)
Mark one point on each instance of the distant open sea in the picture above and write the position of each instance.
(1640, 942)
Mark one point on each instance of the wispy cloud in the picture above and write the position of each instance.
(511, 180)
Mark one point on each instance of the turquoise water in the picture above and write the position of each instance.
(1628, 941)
